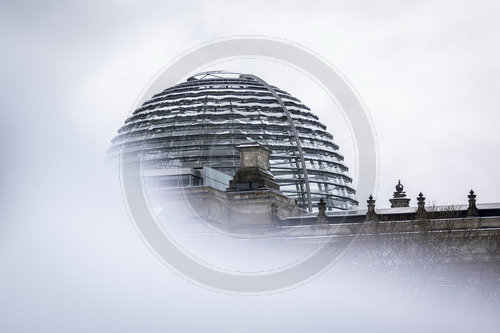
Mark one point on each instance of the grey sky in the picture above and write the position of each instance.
(428, 71)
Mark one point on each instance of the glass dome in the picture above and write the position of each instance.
(198, 123)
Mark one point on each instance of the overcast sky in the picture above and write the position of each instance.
(428, 72)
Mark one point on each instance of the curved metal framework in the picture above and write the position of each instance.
(200, 122)
(294, 130)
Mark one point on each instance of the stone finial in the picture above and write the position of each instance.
(399, 188)
(399, 197)
(371, 215)
(421, 206)
(472, 211)
(321, 218)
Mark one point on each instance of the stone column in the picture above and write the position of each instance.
(253, 172)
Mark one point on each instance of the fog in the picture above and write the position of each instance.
(71, 257)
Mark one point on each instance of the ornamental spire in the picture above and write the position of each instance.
(321, 218)
(399, 197)
(472, 211)
(371, 215)
(421, 206)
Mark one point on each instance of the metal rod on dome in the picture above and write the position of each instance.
(294, 130)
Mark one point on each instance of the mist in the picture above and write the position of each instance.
(71, 257)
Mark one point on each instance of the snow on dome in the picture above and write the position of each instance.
(200, 122)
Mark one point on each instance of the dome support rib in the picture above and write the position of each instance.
(294, 130)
